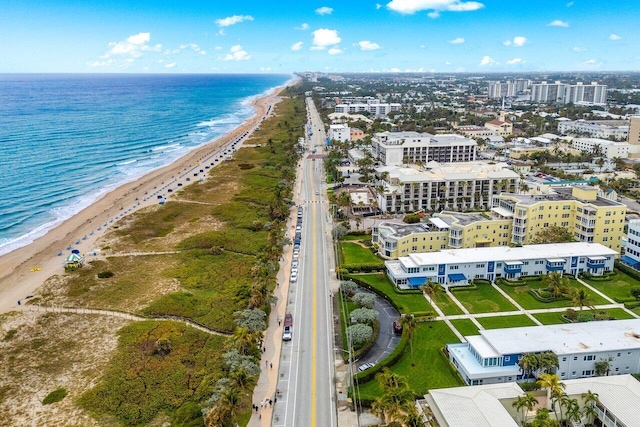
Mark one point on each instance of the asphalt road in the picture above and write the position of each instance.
(307, 364)
(387, 340)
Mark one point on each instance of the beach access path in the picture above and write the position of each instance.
(24, 270)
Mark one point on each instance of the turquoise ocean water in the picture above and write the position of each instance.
(65, 140)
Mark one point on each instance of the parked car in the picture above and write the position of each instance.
(294, 277)
(366, 366)
(299, 228)
(287, 333)
(288, 319)
(397, 326)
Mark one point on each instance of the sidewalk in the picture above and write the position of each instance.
(265, 388)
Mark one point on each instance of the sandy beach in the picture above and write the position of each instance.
(25, 269)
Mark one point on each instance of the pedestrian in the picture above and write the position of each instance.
(270, 402)
(279, 321)
(264, 349)
(266, 363)
(271, 365)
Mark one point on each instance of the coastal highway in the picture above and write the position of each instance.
(307, 363)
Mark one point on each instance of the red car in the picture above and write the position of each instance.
(397, 326)
(288, 319)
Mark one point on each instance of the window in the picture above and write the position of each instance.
(587, 373)
(575, 357)
(565, 215)
(564, 359)
(590, 357)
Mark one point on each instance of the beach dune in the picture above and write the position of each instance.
(23, 270)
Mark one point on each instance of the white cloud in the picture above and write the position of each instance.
(433, 14)
(458, 40)
(487, 60)
(171, 65)
(324, 38)
(232, 20)
(265, 68)
(127, 51)
(236, 54)
(558, 23)
(324, 10)
(395, 70)
(518, 41)
(296, 46)
(194, 47)
(614, 37)
(579, 49)
(367, 45)
(570, 4)
(378, 6)
(303, 27)
(335, 51)
(592, 63)
(413, 6)
(515, 61)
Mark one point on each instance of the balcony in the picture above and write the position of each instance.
(513, 267)
(556, 264)
(596, 262)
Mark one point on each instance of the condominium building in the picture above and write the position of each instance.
(397, 148)
(500, 90)
(446, 230)
(491, 405)
(634, 131)
(376, 109)
(339, 132)
(605, 129)
(589, 217)
(603, 147)
(451, 186)
(492, 357)
(562, 93)
(457, 267)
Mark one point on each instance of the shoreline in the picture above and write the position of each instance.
(25, 269)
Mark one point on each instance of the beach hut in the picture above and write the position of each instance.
(73, 261)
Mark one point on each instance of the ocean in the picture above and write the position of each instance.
(67, 139)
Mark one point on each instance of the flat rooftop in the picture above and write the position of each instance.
(571, 338)
(506, 253)
(560, 193)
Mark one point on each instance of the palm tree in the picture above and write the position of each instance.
(409, 324)
(243, 339)
(396, 398)
(590, 401)
(553, 385)
(557, 283)
(573, 411)
(543, 419)
(529, 362)
(580, 298)
(525, 404)
(431, 289)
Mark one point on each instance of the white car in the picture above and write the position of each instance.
(287, 333)
(298, 228)
(294, 263)
(294, 277)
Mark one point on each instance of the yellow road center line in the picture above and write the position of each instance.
(314, 324)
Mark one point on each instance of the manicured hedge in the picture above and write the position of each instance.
(365, 348)
(392, 359)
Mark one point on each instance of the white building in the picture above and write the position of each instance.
(451, 186)
(374, 108)
(500, 90)
(492, 357)
(607, 148)
(456, 267)
(396, 148)
(340, 132)
(562, 93)
(632, 249)
(604, 129)
(492, 405)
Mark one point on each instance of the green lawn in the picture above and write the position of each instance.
(430, 369)
(618, 313)
(361, 237)
(446, 304)
(505, 321)
(617, 288)
(353, 253)
(406, 302)
(484, 299)
(465, 327)
(527, 301)
(549, 318)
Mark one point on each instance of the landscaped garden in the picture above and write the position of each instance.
(465, 326)
(428, 367)
(522, 295)
(406, 301)
(497, 322)
(483, 299)
(356, 254)
(446, 304)
(617, 286)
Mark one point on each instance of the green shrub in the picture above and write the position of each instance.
(529, 386)
(105, 274)
(55, 396)
(392, 359)
(411, 219)
(469, 287)
(10, 334)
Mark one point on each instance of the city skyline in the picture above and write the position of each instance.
(285, 36)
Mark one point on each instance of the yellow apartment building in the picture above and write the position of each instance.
(515, 219)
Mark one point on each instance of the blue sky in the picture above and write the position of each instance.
(163, 36)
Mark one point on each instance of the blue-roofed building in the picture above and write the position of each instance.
(631, 255)
(457, 267)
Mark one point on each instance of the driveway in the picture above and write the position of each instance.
(387, 340)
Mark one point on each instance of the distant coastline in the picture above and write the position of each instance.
(24, 269)
(27, 220)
